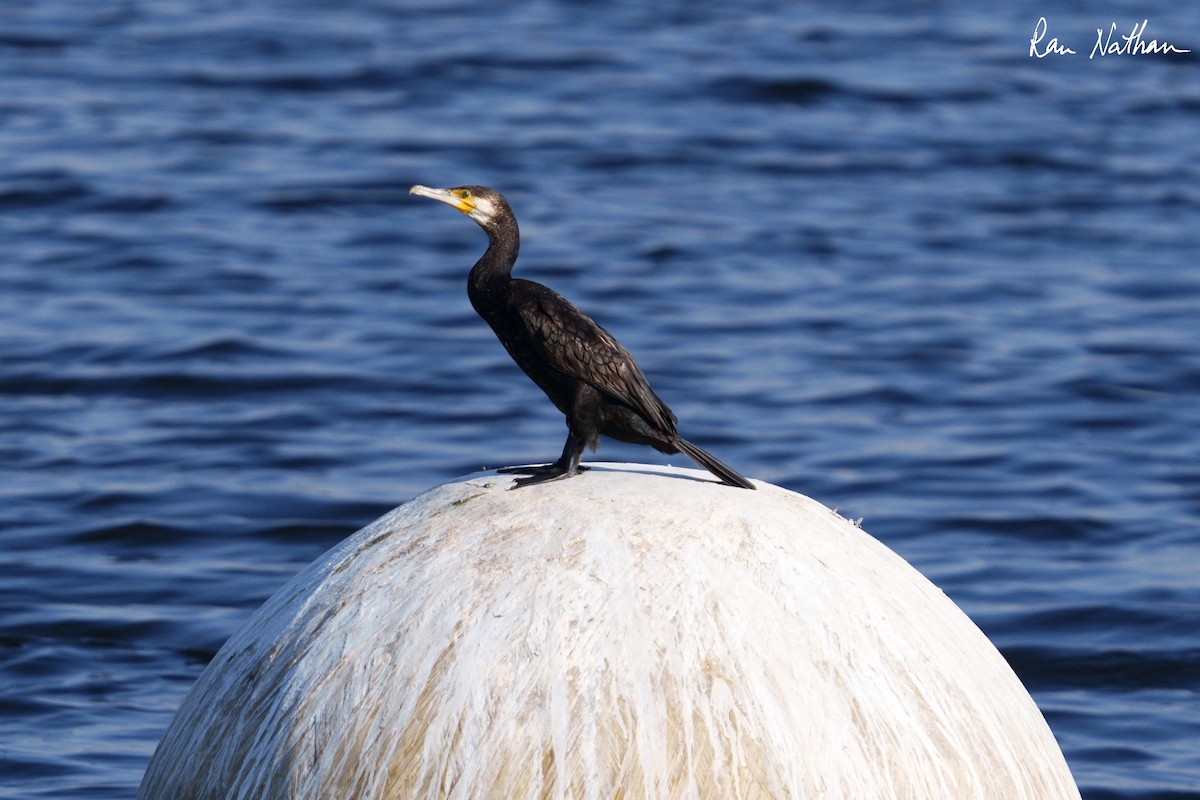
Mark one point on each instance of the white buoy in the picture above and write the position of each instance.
(634, 632)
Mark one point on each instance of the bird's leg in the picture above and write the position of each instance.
(538, 469)
(566, 466)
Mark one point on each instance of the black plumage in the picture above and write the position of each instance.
(585, 372)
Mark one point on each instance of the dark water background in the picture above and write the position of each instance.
(871, 252)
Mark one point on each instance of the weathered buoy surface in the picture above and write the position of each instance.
(635, 632)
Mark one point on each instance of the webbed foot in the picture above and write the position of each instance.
(536, 469)
(542, 473)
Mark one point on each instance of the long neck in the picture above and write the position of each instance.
(491, 272)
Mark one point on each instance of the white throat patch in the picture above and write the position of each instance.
(484, 209)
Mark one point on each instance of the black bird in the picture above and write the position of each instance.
(580, 366)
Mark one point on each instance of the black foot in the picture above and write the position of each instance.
(542, 473)
(566, 466)
(536, 469)
(532, 468)
(542, 477)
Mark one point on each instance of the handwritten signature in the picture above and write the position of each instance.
(1131, 44)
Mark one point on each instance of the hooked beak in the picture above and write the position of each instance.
(444, 196)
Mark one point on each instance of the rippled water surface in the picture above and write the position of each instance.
(870, 252)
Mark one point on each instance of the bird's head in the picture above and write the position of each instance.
(485, 206)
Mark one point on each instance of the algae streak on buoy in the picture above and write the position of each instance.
(637, 632)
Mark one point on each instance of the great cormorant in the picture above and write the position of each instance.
(588, 376)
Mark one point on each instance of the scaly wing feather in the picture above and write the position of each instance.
(574, 344)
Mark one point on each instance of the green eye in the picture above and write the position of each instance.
(464, 194)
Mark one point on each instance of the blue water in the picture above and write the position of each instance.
(872, 252)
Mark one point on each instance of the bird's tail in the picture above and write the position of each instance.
(713, 464)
